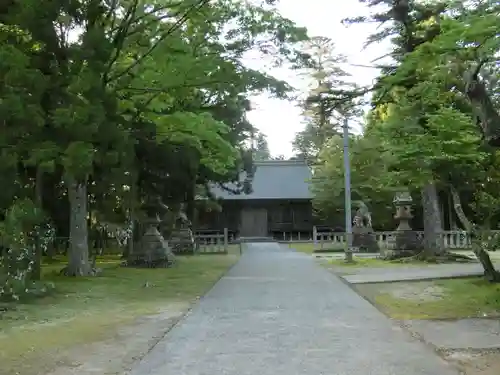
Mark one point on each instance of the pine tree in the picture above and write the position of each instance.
(261, 151)
(321, 109)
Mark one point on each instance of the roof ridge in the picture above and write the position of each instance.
(280, 162)
(275, 179)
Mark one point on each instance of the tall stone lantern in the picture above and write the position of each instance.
(151, 250)
(403, 203)
(405, 241)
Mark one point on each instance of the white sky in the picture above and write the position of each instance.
(280, 120)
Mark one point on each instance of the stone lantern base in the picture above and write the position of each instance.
(151, 251)
(407, 241)
(365, 240)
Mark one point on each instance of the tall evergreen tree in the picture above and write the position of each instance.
(261, 150)
(321, 112)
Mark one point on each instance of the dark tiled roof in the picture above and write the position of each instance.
(275, 179)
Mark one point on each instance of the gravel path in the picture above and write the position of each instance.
(278, 312)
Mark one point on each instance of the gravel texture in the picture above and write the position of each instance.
(278, 312)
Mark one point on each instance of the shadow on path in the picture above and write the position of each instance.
(277, 312)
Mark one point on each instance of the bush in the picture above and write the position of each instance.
(22, 226)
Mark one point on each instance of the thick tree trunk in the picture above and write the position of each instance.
(482, 255)
(78, 257)
(433, 226)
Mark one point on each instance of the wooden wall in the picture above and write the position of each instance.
(282, 216)
(290, 216)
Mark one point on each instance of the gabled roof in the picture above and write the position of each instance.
(274, 179)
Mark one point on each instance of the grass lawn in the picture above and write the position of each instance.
(440, 299)
(370, 262)
(84, 310)
(376, 262)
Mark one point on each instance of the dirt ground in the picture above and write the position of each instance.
(102, 325)
(475, 363)
(470, 361)
(115, 355)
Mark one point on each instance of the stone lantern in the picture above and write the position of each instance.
(403, 202)
(151, 250)
(405, 241)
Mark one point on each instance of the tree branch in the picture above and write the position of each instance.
(195, 7)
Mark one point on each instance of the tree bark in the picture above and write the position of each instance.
(451, 213)
(433, 226)
(132, 216)
(482, 255)
(36, 273)
(78, 257)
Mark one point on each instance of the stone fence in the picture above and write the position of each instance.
(453, 239)
(205, 242)
(212, 241)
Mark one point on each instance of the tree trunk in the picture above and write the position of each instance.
(482, 255)
(132, 219)
(451, 214)
(36, 273)
(433, 226)
(78, 258)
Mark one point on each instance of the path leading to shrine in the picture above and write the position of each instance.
(278, 312)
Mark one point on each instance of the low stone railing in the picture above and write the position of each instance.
(212, 241)
(293, 237)
(453, 239)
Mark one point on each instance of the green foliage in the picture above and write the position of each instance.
(135, 100)
(201, 132)
(326, 104)
(17, 232)
(261, 149)
(423, 124)
(368, 164)
(429, 124)
(427, 138)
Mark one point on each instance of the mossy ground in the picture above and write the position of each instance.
(84, 310)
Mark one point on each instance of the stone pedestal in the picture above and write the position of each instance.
(182, 241)
(151, 251)
(405, 241)
(363, 237)
(181, 236)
